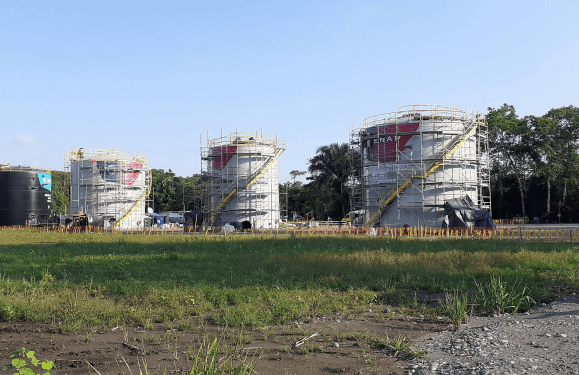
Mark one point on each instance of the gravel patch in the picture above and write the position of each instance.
(544, 340)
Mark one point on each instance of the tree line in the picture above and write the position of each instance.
(534, 163)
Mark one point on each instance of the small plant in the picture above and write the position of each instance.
(19, 363)
(266, 331)
(355, 335)
(413, 303)
(242, 339)
(495, 297)
(148, 337)
(210, 362)
(170, 337)
(368, 358)
(7, 313)
(184, 325)
(455, 308)
(397, 346)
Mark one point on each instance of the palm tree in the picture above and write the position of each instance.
(295, 173)
(330, 170)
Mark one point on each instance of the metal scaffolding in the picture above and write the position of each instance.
(109, 186)
(241, 179)
(406, 164)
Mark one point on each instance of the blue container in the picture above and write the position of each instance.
(159, 220)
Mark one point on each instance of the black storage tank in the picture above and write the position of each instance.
(25, 195)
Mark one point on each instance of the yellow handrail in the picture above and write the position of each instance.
(263, 169)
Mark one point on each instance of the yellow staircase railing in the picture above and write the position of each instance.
(446, 153)
(232, 190)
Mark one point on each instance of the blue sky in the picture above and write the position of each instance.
(152, 76)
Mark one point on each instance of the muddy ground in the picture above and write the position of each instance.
(340, 348)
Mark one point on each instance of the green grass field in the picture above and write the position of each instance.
(90, 280)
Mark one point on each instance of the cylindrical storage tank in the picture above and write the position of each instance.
(242, 179)
(412, 161)
(109, 186)
(25, 195)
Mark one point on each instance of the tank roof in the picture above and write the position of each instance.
(109, 154)
(23, 168)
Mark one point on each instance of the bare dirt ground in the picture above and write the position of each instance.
(334, 351)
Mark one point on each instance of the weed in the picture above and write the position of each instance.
(266, 331)
(293, 329)
(310, 346)
(184, 325)
(496, 297)
(151, 338)
(379, 317)
(171, 336)
(368, 358)
(397, 347)
(125, 334)
(413, 303)
(242, 339)
(20, 364)
(355, 335)
(455, 307)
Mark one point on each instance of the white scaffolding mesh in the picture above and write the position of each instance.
(241, 179)
(109, 185)
(406, 164)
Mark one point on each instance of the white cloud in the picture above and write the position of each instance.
(26, 139)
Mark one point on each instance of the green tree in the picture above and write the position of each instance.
(295, 173)
(175, 193)
(562, 146)
(163, 190)
(60, 192)
(547, 165)
(193, 192)
(511, 149)
(330, 172)
(299, 198)
(537, 157)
